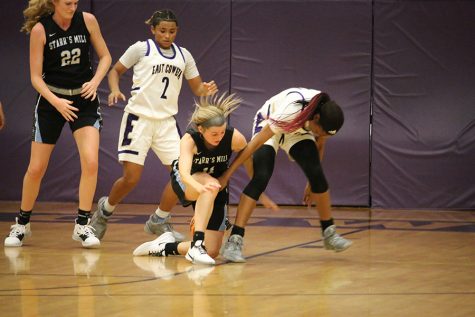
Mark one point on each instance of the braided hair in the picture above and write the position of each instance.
(162, 15)
(331, 116)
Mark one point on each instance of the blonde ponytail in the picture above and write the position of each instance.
(34, 12)
(214, 110)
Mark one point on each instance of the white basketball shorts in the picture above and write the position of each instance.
(284, 141)
(140, 134)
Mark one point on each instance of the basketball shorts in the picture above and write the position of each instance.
(284, 141)
(48, 122)
(140, 134)
(217, 221)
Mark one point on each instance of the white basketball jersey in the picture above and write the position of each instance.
(283, 106)
(156, 83)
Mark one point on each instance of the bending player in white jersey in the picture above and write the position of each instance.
(148, 122)
(299, 121)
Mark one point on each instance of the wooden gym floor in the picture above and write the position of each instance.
(402, 263)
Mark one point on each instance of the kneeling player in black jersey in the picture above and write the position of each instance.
(205, 151)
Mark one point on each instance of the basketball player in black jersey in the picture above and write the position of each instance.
(61, 72)
(205, 151)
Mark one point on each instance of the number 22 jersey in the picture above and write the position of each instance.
(66, 60)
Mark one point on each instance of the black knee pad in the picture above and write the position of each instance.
(263, 161)
(305, 153)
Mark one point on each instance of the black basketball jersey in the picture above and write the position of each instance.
(214, 161)
(66, 59)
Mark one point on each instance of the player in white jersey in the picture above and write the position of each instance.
(298, 120)
(148, 122)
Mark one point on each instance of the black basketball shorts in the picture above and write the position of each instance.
(220, 207)
(48, 122)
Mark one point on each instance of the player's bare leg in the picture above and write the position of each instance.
(106, 205)
(39, 158)
(87, 141)
(159, 221)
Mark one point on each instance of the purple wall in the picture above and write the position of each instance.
(301, 44)
(412, 61)
(424, 105)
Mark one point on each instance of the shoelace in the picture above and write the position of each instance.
(17, 230)
(202, 249)
(158, 251)
(235, 245)
(88, 230)
(337, 240)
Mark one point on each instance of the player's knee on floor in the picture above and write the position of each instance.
(213, 253)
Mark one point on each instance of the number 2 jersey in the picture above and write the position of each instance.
(157, 78)
(66, 59)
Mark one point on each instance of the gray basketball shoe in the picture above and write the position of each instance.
(333, 241)
(98, 220)
(232, 250)
(158, 226)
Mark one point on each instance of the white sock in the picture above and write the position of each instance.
(108, 207)
(161, 213)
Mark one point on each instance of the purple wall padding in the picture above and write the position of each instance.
(423, 152)
(323, 45)
(416, 61)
